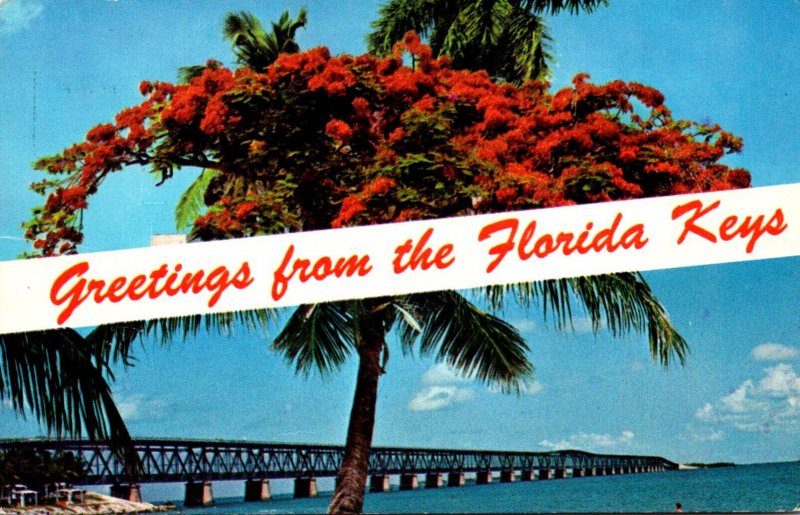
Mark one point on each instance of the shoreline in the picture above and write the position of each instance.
(95, 504)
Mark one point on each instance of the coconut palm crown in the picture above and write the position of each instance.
(507, 38)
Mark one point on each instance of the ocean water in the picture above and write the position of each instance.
(771, 487)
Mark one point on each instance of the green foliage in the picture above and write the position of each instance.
(507, 38)
(476, 343)
(35, 469)
(253, 46)
(192, 203)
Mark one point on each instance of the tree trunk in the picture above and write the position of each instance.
(352, 479)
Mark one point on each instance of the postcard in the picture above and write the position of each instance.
(399, 256)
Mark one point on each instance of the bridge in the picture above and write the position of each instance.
(199, 462)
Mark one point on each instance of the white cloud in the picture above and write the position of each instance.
(16, 15)
(442, 374)
(780, 381)
(529, 388)
(704, 435)
(741, 400)
(138, 407)
(771, 403)
(583, 325)
(445, 387)
(774, 352)
(591, 441)
(532, 388)
(706, 413)
(524, 325)
(637, 366)
(439, 397)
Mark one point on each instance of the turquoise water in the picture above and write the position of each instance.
(759, 488)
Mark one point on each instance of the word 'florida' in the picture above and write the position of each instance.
(530, 244)
(72, 289)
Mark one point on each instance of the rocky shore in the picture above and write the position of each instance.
(94, 504)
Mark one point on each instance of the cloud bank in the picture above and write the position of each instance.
(771, 403)
(591, 441)
(444, 387)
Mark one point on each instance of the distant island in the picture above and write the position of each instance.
(718, 464)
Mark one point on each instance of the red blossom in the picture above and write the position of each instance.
(215, 118)
(352, 206)
(339, 130)
(74, 198)
(381, 186)
(244, 209)
(506, 195)
(101, 133)
(145, 87)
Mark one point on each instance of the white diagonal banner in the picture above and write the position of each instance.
(370, 261)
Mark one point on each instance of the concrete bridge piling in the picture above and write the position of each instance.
(257, 490)
(129, 492)
(305, 487)
(198, 494)
(456, 479)
(483, 477)
(433, 480)
(409, 482)
(379, 483)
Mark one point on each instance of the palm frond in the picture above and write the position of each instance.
(54, 376)
(253, 46)
(317, 336)
(191, 203)
(622, 302)
(395, 19)
(557, 6)
(525, 49)
(283, 32)
(476, 343)
(187, 73)
(484, 21)
(115, 341)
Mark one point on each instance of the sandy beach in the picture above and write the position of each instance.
(95, 504)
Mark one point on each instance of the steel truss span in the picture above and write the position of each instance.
(171, 460)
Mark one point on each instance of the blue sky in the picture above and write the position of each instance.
(67, 66)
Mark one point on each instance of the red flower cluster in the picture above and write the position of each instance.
(319, 141)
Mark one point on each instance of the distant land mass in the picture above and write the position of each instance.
(717, 464)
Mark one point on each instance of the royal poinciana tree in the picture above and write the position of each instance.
(319, 142)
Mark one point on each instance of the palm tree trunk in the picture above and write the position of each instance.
(352, 479)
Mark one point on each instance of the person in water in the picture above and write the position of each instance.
(678, 507)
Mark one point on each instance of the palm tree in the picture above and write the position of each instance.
(507, 38)
(253, 46)
(445, 324)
